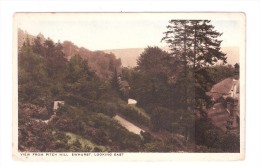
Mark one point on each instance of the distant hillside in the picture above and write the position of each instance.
(129, 56)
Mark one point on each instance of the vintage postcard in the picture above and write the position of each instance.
(128, 86)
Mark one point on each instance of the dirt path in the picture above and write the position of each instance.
(128, 125)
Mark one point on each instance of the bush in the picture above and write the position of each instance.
(213, 138)
(231, 143)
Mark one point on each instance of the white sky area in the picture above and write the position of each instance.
(121, 30)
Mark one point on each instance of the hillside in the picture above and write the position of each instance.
(102, 63)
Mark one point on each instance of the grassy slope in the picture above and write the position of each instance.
(84, 142)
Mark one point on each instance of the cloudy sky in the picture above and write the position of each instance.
(121, 30)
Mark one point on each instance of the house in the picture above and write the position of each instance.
(228, 87)
(225, 113)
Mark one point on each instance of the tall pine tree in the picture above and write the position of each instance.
(195, 43)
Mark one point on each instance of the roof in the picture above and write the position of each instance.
(222, 88)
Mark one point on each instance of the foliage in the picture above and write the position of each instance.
(33, 81)
(115, 82)
(158, 146)
(210, 136)
(195, 42)
(174, 121)
(218, 73)
(39, 137)
(102, 63)
(81, 82)
(167, 86)
(98, 128)
(83, 144)
(153, 80)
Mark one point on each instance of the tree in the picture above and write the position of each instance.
(38, 47)
(56, 63)
(179, 38)
(81, 83)
(236, 66)
(153, 61)
(33, 81)
(157, 72)
(194, 43)
(115, 81)
(206, 44)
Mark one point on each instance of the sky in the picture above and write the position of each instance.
(101, 31)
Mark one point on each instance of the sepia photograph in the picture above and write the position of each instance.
(89, 85)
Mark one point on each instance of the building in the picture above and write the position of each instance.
(225, 113)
